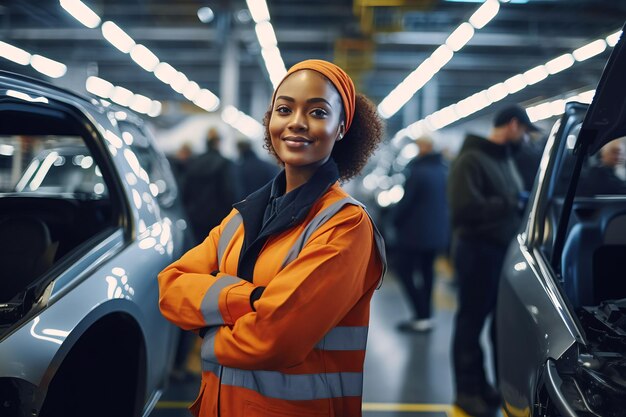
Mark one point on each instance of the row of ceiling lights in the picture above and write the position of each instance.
(147, 60)
(143, 56)
(392, 189)
(167, 74)
(497, 92)
(403, 92)
(267, 39)
(46, 66)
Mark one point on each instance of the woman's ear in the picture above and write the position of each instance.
(342, 131)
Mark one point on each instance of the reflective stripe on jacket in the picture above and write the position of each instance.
(301, 352)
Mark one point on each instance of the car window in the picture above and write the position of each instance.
(162, 182)
(55, 193)
(49, 164)
(590, 256)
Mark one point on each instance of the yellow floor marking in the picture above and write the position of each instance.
(423, 408)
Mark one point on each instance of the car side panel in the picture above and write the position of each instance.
(532, 325)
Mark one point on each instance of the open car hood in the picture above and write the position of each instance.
(606, 117)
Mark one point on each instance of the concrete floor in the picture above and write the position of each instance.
(406, 374)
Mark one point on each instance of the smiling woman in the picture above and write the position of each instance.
(281, 289)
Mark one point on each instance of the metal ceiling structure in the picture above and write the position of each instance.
(379, 42)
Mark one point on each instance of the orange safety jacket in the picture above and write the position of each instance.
(299, 349)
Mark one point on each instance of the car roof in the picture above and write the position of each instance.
(22, 82)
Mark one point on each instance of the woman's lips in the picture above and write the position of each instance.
(297, 142)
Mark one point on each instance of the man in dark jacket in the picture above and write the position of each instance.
(484, 189)
(422, 230)
(211, 186)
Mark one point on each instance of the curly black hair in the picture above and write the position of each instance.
(359, 143)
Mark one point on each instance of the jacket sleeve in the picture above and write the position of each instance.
(334, 270)
(467, 201)
(193, 295)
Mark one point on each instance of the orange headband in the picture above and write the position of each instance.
(338, 77)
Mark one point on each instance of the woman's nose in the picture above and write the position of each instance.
(298, 121)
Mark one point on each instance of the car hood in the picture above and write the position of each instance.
(606, 117)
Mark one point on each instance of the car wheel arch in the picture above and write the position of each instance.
(111, 354)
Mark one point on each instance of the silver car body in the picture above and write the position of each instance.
(112, 278)
(561, 329)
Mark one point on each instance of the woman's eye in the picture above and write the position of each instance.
(282, 109)
(319, 113)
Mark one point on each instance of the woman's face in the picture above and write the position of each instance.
(305, 120)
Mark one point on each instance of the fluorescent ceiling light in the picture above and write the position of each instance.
(98, 86)
(560, 63)
(165, 72)
(460, 36)
(534, 75)
(242, 122)
(144, 57)
(497, 92)
(179, 82)
(156, 108)
(230, 114)
(441, 56)
(121, 96)
(81, 12)
(484, 14)
(590, 50)
(557, 107)
(258, 10)
(611, 40)
(12, 53)
(191, 90)
(48, 66)
(207, 100)
(117, 37)
(265, 33)
(274, 64)
(141, 104)
(515, 83)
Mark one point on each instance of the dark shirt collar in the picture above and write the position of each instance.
(475, 142)
(292, 210)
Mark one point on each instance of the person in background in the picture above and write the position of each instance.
(422, 230)
(483, 190)
(281, 289)
(210, 188)
(253, 171)
(527, 156)
(602, 179)
(179, 162)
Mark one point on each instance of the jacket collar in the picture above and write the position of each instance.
(485, 145)
(253, 207)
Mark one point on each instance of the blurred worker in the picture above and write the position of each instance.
(281, 289)
(422, 230)
(210, 188)
(602, 178)
(180, 161)
(527, 156)
(253, 171)
(483, 190)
